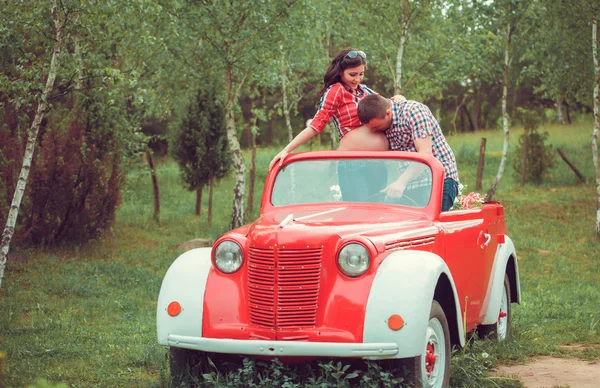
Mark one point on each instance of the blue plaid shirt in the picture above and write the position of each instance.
(413, 120)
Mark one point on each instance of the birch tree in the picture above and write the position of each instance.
(408, 15)
(404, 39)
(595, 14)
(236, 38)
(505, 117)
(61, 17)
(514, 12)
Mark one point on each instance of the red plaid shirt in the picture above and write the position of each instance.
(339, 103)
(413, 120)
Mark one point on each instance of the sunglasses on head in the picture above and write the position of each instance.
(354, 53)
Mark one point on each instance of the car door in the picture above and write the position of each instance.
(465, 246)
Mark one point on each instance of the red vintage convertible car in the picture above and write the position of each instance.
(334, 268)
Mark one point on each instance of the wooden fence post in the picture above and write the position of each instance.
(480, 164)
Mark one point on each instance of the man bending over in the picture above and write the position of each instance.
(409, 126)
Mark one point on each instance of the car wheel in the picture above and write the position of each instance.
(501, 329)
(432, 368)
(181, 362)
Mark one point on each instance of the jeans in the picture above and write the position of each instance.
(449, 193)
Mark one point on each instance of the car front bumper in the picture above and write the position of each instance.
(285, 348)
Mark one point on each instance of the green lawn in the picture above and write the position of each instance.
(85, 316)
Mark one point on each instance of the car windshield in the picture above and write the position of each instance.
(352, 180)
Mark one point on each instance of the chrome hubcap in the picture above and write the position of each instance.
(433, 361)
(503, 316)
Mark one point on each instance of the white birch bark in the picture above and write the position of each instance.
(285, 107)
(237, 211)
(505, 118)
(400, 53)
(596, 117)
(32, 135)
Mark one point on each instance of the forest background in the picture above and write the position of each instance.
(124, 74)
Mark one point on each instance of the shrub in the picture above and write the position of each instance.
(74, 183)
(540, 156)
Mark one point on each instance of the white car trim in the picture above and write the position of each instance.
(457, 226)
(285, 348)
(496, 284)
(404, 284)
(319, 214)
(185, 282)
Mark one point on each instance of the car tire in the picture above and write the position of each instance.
(180, 364)
(432, 368)
(501, 329)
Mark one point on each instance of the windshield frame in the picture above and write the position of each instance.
(432, 209)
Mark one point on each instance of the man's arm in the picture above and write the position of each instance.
(396, 189)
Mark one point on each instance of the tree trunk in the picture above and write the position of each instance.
(568, 113)
(270, 128)
(571, 165)
(524, 162)
(334, 139)
(559, 110)
(250, 207)
(460, 104)
(211, 183)
(468, 114)
(285, 108)
(237, 210)
(199, 200)
(400, 53)
(505, 118)
(596, 117)
(248, 136)
(32, 135)
(476, 110)
(481, 164)
(156, 215)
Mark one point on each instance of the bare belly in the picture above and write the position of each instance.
(363, 139)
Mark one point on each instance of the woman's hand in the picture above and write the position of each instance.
(279, 157)
(398, 98)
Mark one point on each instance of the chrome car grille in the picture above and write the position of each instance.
(283, 287)
(410, 243)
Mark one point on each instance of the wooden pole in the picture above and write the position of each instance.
(568, 162)
(480, 164)
(524, 162)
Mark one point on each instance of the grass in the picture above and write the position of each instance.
(85, 315)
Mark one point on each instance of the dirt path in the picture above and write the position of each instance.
(547, 372)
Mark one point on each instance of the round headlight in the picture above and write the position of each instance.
(354, 260)
(228, 257)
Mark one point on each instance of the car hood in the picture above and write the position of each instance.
(318, 224)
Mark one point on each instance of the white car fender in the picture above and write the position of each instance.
(496, 283)
(185, 282)
(404, 284)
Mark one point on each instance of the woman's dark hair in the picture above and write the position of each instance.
(340, 63)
